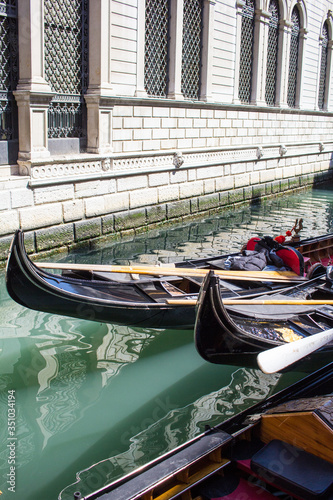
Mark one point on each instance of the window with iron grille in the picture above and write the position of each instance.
(246, 52)
(323, 67)
(192, 43)
(8, 68)
(272, 53)
(66, 65)
(293, 57)
(157, 47)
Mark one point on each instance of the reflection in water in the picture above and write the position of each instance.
(179, 425)
(89, 393)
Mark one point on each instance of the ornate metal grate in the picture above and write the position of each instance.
(323, 67)
(246, 54)
(157, 47)
(66, 65)
(293, 58)
(272, 52)
(192, 44)
(8, 69)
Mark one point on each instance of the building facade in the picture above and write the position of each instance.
(117, 115)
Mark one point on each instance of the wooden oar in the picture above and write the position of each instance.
(274, 276)
(234, 301)
(276, 359)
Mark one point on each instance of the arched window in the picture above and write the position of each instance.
(293, 57)
(66, 65)
(272, 52)
(191, 53)
(323, 67)
(157, 47)
(246, 52)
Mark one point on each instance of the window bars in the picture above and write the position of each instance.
(156, 47)
(323, 67)
(246, 53)
(66, 65)
(192, 45)
(272, 53)
(293, 61)
(8, 68)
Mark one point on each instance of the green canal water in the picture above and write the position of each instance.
(84, 403)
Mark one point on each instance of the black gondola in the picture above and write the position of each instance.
(102, 296)
(236, 334)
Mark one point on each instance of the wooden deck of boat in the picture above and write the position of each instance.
(304, 426)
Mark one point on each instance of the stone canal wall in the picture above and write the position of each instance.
(168, 163)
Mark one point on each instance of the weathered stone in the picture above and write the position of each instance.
(178, 208)
(236, 195)
(54, 237)
(108, 224)
(294, 182)
(4, 248)
(248, 193)
(224, 198)
(258, 191)
(209, 201)
(275, 187)
(129, 220)
(156, 213)
(89, 228)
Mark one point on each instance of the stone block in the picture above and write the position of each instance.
(9, 222)
(156, 213)
(209, 201)
(209, 172)
(129, 220)
(209, 186)
(73, 210)
(5, 200)
(116, 202)
(242, 180)
(258, 191)
(267, 175)
(40, 216)
(236, 195)
(4, 247)
(94, 188)
(22, 198)
(194, 205)
(195, 188)
(178, 209)
(158, 179)
(224, 183)
(143, 198)
(51, 194)
(94, 206)
(224, 199)
(54, 237)
(132, 182)
(168, 193)
(248, 193)
(294, 182)
(108, 224)
(90, 228)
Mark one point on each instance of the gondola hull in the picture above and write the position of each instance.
(236, 335)
(111, 300)
(108, 302)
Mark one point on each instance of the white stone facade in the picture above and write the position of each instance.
(147, 151)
